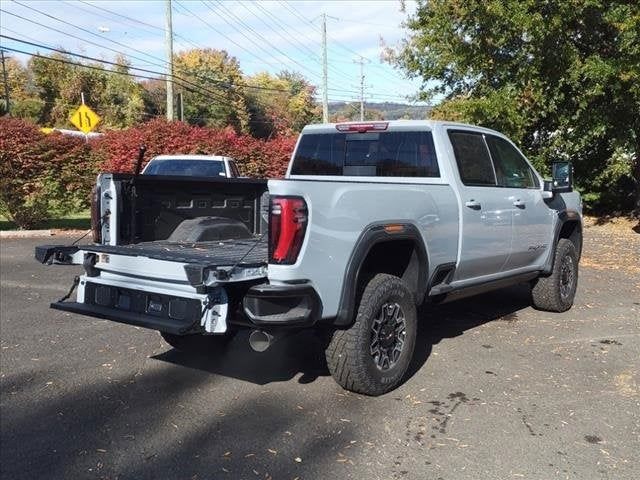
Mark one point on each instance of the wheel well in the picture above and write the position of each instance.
(400, 258)
(572, 230)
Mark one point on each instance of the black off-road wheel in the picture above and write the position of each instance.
(373, 355)
(556, 292)
(197, 343)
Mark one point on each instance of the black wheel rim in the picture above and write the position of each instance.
(567, 276)
(388, 334)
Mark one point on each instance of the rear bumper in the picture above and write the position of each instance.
(269, 305)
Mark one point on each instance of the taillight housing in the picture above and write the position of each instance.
(96, 220)
(288, 218)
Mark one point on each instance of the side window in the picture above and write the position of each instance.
(234, 169)
(319, 154)
(512, 169)
(472, 157)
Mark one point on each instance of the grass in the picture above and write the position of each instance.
(72, 221)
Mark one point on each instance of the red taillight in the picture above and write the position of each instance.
(362, 127)
(287, 226)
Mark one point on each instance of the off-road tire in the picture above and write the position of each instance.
(197, 343)
(556, 292)
(348, 354)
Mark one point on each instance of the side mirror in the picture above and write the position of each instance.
(561, 182)
(562, 177)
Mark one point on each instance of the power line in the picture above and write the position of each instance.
(89, 32)
(76, 37)
(202, 20)
(134, 20)
(285, 28)
(184, 83)
(227, 84)
(260, 37)
(189, 86)
(301, 17)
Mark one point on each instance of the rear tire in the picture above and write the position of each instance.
(556, 292)
(372, 356)
(197, 343)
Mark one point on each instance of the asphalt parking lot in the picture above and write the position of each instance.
(497, 391)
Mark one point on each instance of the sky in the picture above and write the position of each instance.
(265, 35)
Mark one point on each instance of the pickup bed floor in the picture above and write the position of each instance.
(245, 252)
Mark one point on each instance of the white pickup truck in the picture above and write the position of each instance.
(372, 220)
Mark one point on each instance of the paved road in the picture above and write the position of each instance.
(497, 391)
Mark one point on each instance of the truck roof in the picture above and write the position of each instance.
(216, 158)
(393, 125)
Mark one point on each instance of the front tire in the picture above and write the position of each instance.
(372, 356)
(197, 343)
(556, 292)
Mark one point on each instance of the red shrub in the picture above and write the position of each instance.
(117, 151)
(41, 175)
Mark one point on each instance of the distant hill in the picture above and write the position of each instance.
(389, 110)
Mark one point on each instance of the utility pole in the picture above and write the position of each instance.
(325, 94)
(169, 47)
(361, 61)
(181, 106)
(6, 85)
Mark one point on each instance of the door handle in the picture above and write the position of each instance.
(473, 205)
(519, 203)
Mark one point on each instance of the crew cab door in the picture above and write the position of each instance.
(486, 219)
(532, 218)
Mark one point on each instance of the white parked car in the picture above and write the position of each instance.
(192, 166)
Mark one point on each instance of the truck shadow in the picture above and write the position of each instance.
(450, 320)
(303, 352)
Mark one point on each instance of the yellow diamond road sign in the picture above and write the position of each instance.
(85, 119)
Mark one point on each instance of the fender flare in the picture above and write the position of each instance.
(372, 235)
(564, 216)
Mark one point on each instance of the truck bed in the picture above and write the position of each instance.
(244, 252)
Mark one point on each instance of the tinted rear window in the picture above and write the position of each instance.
(195, 168)
(472, 157)
(374, 154)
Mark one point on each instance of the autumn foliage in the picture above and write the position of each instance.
(42, 176)
(117, 151)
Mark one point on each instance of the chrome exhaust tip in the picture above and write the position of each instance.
(260, 340)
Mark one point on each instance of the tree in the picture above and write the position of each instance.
(122, 99)
(48, 77)
(23, 98)
(280, 105)
(113, 94)
(211, 82)
(351, 112)
(562, 79)
(154, 96)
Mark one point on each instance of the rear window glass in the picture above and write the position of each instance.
(373, 154)
(472, 157)
(196, 168)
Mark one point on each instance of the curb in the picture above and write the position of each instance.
(25, 233)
